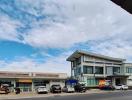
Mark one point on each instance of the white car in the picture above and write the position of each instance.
(68, 89)
(121, 87)
(42, 89)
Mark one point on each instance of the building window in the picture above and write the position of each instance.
(78, 61)
(77, 71)
(74, 63)
(116, 70)
(128, 70)
(88, 69)
(99, 70)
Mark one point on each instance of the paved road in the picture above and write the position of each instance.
(122, 95)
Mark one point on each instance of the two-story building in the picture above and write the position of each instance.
(90, 68)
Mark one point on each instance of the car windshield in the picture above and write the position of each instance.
(55, 85)
(42, 87)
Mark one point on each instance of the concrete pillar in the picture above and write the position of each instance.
(14, 85)
(113, 81)
(81, 65)
(32, 87)
(104, 70)
(71, 69)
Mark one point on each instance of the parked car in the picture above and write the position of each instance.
(42, 89)
(4, 89)
(55, 89)
(80, 88)
(68, 89)
(107, 87)
(121, 87)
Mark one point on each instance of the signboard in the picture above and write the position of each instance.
(104, 82)
(47, 75)
(25, 81)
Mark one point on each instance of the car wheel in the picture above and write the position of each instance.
(121, 89)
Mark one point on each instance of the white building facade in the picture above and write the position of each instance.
(90, 68)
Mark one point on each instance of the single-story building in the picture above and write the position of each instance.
(28, 81)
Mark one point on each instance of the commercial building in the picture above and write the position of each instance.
(90, 68)
(28, 81)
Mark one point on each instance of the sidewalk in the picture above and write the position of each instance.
(35, 95)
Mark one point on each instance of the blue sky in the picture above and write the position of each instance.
(38, 35)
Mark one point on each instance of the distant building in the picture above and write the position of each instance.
(90, 68)
(28, 81)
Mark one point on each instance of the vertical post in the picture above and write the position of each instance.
(82, 63)
(32, 88)
(14, 84)
(82, 60)
(94, 72)
(94, 79)
(104, 70)
(71, 69)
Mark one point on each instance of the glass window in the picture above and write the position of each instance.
(78, 61)
(88, 69)
(74, 63)
(99, 70)
(77, 71)
(92, 82)
(129, 70)
(116, 70)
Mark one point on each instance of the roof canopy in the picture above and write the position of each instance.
(125, 4)
(78, 53)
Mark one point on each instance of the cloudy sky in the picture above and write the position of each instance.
(38, 35)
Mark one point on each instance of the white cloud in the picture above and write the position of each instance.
(116, 48)
(53, 64)
(82, 21)
(69, 22)
(8, 29)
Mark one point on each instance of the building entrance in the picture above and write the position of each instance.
(24, 84)
(25, 87)
(118, 81)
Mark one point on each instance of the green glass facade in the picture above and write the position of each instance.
(92, 82)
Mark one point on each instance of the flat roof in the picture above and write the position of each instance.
(32, 75)
(78, 53)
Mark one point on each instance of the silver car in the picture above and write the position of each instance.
(121, 87)
(68, 89)
(42, 89)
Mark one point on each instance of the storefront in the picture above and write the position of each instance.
(119, 79)
(24, 84)
(28, 81)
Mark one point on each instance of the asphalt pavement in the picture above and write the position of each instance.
(120, 95)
